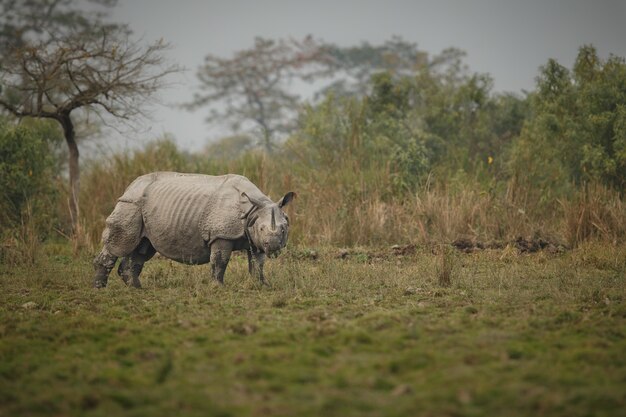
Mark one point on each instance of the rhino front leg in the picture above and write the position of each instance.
(131, 266)
(103, 263)
(256, 260)
(251, 268)
(220, 255)
(121, 236)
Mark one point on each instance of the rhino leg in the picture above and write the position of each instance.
(120, 238)
(103, 263)
(250, 262)
(131, 266)
(220, 255)
(123, 270)
(256, 260)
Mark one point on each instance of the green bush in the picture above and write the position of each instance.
(28, 180)
(577, 131)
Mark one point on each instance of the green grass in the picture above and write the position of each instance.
(541, 334)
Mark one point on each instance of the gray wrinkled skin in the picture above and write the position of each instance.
(194, 219)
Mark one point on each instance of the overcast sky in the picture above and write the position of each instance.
(508, 39)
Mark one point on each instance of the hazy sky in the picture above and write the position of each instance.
(507, 39)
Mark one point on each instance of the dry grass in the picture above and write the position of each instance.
(21, 244)
(350, 208)
(595, 213)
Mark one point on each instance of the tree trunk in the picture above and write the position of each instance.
(70, 139)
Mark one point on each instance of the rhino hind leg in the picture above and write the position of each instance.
(131, 266)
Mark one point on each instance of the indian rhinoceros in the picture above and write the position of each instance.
(194, 219)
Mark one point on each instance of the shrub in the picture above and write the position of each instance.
(28, 179)
(577, 131)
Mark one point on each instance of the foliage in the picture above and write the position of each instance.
(412, 126)
(354, 66)
(577, 129)
(229, 147)
(28, 180)
(28, 169)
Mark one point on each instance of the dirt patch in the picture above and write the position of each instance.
(522, 244)
(379, 254)
(471, 245)
(397, 252)
(537, 244)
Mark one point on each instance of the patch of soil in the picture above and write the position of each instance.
(532, 245)
(369, 255)
(464, 244)
(523, 245)
(469, 245)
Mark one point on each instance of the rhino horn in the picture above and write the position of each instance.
(273, 220)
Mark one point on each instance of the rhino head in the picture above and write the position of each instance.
(268, 225)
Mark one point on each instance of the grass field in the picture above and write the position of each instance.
(365, 335)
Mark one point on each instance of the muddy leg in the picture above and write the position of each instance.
(123, 270)
(220, 255)
(257, 266)
(121, 236)
(103, 263)
(250, 262)
(131, 266)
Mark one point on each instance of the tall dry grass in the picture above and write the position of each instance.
(595, 213)
(350, 205)
(21, 244)
(432, 215)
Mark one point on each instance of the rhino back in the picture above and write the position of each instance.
(183, 213)
(134, 192)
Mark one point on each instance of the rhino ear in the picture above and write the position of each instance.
(253, 200)
(286, 199)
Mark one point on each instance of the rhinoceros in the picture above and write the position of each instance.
(193, 219)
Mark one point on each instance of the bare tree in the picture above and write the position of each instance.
(356, 65)
(102, 71)
(251, 88)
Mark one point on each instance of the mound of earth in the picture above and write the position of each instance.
(522, 244)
